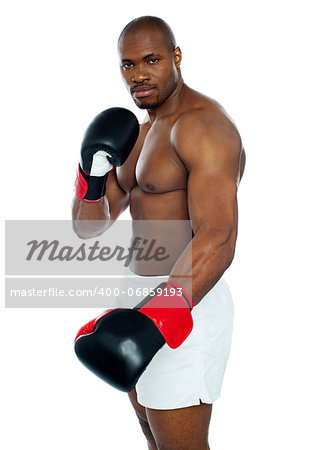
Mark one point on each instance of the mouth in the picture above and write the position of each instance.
(142, 91)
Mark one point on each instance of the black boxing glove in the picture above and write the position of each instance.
(107, 142)
(118, 345)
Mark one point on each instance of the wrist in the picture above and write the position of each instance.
(88, 187)
(169, 307)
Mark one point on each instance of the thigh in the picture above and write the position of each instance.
(181, 429)
(174, 429)
(139, 409)
(143, 421)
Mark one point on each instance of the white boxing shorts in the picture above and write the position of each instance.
(194, 372)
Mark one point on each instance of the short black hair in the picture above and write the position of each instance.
(150, 22)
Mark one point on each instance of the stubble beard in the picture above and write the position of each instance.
(163, 95)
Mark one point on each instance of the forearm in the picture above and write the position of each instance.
(203, 263)
(90, 219)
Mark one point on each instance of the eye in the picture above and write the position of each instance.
(153, 61)
(127, 65)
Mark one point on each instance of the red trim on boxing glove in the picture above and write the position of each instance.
(81, 184)
(90, 189)
(90, 326)
(170, 313)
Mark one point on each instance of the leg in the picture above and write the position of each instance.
(175, 429)
(181, 429)
(142, 417)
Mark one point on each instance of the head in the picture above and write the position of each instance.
(150, 61)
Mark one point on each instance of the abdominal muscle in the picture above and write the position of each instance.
(162, 219)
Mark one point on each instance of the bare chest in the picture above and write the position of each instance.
(153, 165)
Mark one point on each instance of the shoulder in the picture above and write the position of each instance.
(207, 141)
(207, 124)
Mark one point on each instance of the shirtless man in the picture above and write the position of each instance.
(186, 165)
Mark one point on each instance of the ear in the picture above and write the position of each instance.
(177, 56)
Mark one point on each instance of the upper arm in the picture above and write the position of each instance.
(210, 150)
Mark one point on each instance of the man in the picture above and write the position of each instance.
(186, 165)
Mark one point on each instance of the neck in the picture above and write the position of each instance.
(169, 105)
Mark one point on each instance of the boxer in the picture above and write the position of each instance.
(186, 164)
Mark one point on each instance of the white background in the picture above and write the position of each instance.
(59, 69)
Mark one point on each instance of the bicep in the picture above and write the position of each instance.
(212, 202)
(211, 153)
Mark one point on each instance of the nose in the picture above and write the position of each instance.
(140, 73)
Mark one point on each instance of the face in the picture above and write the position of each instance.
(149, 69)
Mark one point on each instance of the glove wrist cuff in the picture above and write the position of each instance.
(169, 307)
(89, 188)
